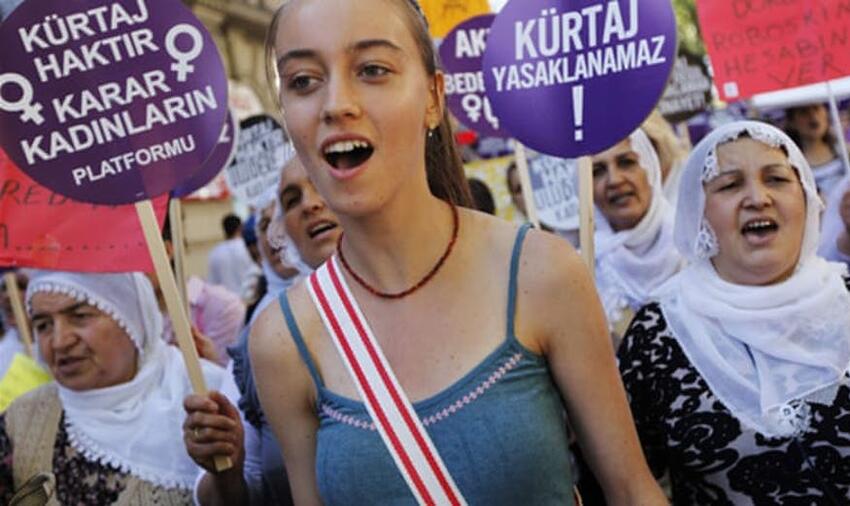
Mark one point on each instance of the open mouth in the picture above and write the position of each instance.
(760, 227)
(320, 228)
(344, 155)
(619, 199)
(68, 362)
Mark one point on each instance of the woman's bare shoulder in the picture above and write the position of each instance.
(272, 345)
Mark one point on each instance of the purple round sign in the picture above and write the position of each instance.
(220, 158)
(573, 77)
(462, 54)
(109, 102)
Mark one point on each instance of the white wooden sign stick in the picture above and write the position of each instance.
(585, 184)
(179, 318)
(178, 245)
(525, 181)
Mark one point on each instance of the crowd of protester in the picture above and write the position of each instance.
(703, 359)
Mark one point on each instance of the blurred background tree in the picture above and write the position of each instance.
(688, 27)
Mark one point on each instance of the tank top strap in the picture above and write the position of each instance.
(295, 332)
(514, 274)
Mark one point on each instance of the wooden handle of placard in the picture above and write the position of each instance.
(179, 318)
(21, 319)
(175, 212)
(525, 180)
(585, 184)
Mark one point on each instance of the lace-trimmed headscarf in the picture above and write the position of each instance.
(135, 427)
(765, 351)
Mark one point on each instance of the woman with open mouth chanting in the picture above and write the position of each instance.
(108, 430)
(430, 359)
(738, 378)
(635, 253)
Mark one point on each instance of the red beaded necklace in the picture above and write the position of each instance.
(417, 286)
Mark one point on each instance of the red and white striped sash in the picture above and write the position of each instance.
(400, 428)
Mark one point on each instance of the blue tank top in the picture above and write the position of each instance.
(500, 429)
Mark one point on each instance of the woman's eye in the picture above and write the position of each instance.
(300, 82)
(289, 203)
(598, 171)
(373, 70)
(41, 327)
(81, 317)
(626, 163)
(778, 179)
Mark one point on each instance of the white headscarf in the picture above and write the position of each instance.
(277, 238)
(274, 281)
(135, 426)
(765, 351)
(631, 264)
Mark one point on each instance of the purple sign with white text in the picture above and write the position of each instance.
(109, 102)
(573, 77)
(220, 158)
(462, 53)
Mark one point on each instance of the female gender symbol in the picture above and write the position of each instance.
(31, 111)
(182, 66)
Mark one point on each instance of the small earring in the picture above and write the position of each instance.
(430, 134)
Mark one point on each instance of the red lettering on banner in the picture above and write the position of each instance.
(757, 46)
(41, 229)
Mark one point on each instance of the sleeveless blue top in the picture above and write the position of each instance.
(501, 431)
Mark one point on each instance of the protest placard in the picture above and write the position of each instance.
(109, 102)
(261, 152)
(556, 194)
(574, 77)
(688, 92)
(45, 230)
(114, 102)
(764, 45)
(462, 52)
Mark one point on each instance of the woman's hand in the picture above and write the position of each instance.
(204, 345)
(213, 428)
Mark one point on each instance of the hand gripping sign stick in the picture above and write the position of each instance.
(178, 314)
(21, 319)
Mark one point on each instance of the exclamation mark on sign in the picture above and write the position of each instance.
(578, 111)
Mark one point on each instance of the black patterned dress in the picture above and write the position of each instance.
(712, 459)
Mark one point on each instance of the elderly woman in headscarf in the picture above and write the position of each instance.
(634, 229)
(738, 377)
(110, 427)
(301, 232)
